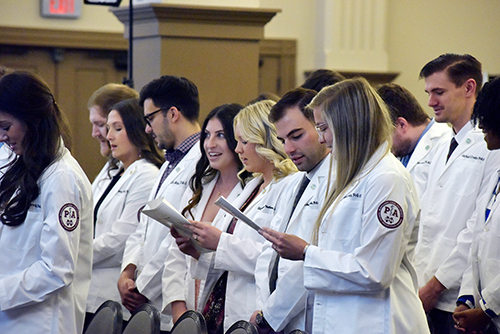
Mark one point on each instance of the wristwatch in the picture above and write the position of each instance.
(260, 321)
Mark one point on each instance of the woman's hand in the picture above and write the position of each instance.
(288, 246)
(184, 244)
(205, 234)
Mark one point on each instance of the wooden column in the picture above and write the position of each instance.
(215, 47)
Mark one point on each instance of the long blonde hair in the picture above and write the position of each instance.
(255, 127)
(360, 123)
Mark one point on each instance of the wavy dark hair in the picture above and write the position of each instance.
(29, 100)
(132, 116)
(204, 173)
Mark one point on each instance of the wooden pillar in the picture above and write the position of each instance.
(215, 47)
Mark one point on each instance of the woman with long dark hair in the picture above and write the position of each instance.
(45, 213)
(229, 291)
(116, 212)
(216, 175)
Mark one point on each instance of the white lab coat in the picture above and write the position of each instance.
(447, 207)
(284, 309)
(237, 253)
(46, 261)
(482, 279)
(422, 155)
(360, 272)
(117, 218)
(147, 248)
(177, 284)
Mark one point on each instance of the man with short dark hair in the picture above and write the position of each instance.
(457, 178)
(280, 284)
(415, 136)
(321, 78)
(171, 109)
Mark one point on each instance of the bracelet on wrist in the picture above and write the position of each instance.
(304, 252)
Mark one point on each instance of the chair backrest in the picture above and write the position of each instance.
(242, 327)
(298, 331)
(107, 319)
(144, 320)
(191, 322)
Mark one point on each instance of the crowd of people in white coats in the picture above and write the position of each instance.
(372, 216)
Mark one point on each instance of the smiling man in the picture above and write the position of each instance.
(280, 282)
(457, 177)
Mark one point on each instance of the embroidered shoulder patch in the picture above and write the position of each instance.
(390, 214)
(69, 217)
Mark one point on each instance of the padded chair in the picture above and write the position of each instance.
(108, 319)
(298, 331)
(242, 327)
(191, 322)
(144, 320)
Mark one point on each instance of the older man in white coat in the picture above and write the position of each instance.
(171, 109)
(458, 176)
(281, 292)
(416, 136)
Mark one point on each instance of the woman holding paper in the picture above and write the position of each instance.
(116, 212)
(216, 175)
(358, 265)
(229, 291)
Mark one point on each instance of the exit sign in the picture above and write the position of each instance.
(71, 9)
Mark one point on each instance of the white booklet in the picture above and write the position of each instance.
(163, 212)
(235, 212)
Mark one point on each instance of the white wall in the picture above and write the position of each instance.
(416, 31)
(419, 31)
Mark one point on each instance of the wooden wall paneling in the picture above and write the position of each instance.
(277, 65)
(34, 60)
(79, 74)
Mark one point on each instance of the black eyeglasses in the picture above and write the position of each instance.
(148, 118)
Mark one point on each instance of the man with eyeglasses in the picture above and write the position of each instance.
(171, 110)
(279, 282)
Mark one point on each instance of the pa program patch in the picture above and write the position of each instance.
(390, 214)
(69, 217)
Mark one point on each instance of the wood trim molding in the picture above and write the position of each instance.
(278, 47)
(62, 38)
(200, 14)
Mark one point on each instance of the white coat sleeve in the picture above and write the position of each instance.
(467, 286)
(174, 276)
(236, 254)
(113, 242)
(59, 247)
(491, 296)
(371, 266)
(149, 281)
(289, 288)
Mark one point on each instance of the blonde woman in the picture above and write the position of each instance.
(358, 266)
(229, 291)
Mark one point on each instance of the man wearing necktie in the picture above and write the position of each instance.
(457, 177)
(281, 292)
